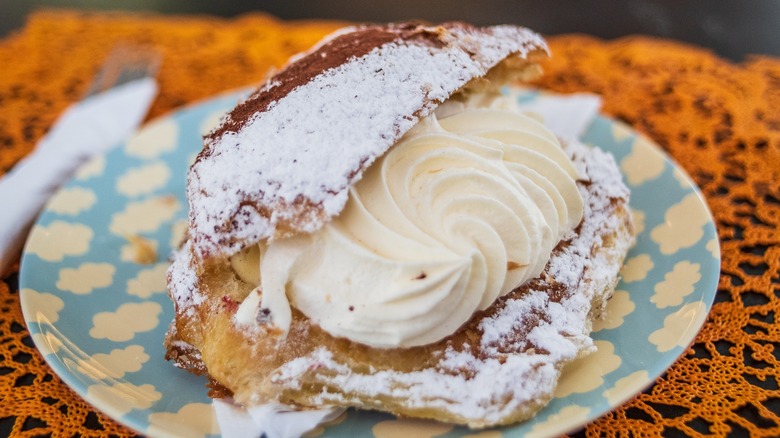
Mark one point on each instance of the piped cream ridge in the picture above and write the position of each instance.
(438, 228)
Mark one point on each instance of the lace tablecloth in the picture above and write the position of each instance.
(719, 120)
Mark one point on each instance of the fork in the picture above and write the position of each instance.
(114, 105)
(125, 63)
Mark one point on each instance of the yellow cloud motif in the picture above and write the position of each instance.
(713, 246)
(148, 281)
(681, 178)
(639, 220)
(115, 364)
(59, 239)
(192, 420)
(570, 415)
(587, 373)
(679, 327)
(212, 120)
(94, 167)
(636, 268)
(620, 131)
(154, 139)
(178, 233)
(486, 434)
(126, 321)
(678, 283)
(406, 428)
(627, 387)
(144, 216)
(643, 164)
(120, 398)
(143, 180)
(320, 429)
(191, 159)
(72, 201)
(683, 225)
(86, 278)
(618, 307)
(46, 306)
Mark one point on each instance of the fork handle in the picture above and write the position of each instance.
(24, 192)
(85, 129)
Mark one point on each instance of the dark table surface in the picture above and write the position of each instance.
(730, 28)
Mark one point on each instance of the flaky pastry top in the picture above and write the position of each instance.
(283, 160)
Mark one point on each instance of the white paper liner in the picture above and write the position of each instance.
(565, 115)
(270, 420)
(87, 128)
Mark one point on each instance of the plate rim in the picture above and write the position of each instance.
(71, 380)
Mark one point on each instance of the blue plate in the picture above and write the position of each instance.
(98, 316)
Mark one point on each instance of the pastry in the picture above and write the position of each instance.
(378, 227)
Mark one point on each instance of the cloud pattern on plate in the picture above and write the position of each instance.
(86, 278)
(72, 201)
(115, 364)
(99, 317)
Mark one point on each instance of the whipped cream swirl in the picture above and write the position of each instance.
(466, 207)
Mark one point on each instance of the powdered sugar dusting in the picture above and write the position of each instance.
(433, 388)
(554, 329)
(524, 344)
(182, 281)
(290, 166)
(298, 158)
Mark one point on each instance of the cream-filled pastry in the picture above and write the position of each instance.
(457, 214)
(378, 227)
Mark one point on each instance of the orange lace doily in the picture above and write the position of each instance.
(717, 119)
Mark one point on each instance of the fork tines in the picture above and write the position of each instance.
(124, 64)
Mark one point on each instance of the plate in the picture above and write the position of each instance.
(99, 317)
